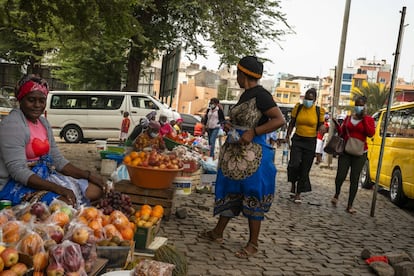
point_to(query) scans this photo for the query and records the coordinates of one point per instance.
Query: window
(86, 102)
(345, 88)
(400, 123)
(347, 77)
(143, 102)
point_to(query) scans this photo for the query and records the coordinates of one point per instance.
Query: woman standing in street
(308, 120)
(246, 177)
(360, 126)
(214, 116)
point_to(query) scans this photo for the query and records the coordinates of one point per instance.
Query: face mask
(212, 106)
(307, 103)
(358, 109)
(153, 134)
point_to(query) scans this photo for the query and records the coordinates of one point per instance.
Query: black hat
(251, 66)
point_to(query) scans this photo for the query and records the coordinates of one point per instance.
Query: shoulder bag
(335, 145)
(354, 146)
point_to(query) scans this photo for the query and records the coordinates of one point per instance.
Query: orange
(136, 162)
(127, 233)
(119, 219)
(105, 220)
(96, 226)
(11, 232)
(127, 159)
(138, 214)
(146, 207)
(156, 213)
(90, 213)
(60, 218)
(159, 207)
(83, 220)
(133, 155)
(146, 212)
(142, 154)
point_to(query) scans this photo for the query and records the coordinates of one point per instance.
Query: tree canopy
(100, 44)
(376, 94)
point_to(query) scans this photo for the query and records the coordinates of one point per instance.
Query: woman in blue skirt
(246, 177)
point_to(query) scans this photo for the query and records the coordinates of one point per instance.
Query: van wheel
(72, 134)
(364, 178)
(396, 192)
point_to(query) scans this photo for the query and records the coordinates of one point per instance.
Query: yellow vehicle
(397, 169)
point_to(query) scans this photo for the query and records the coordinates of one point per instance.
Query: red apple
(80, 235)
(38, 209)
(57, 234)
(10, 256)
(19, 268)
(55, 269)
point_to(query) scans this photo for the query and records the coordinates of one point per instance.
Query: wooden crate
(140, 196)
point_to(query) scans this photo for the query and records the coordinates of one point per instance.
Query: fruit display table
(140, 196)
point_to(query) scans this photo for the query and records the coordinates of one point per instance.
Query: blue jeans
(212, 136)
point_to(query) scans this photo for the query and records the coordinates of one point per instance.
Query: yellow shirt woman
(306, 120)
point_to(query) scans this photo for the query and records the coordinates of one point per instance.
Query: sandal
(210, 236)
(297, 200)
(334, 201)
(351, 210)
(245, 254)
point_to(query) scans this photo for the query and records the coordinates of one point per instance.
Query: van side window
(143, 102)
(401, 123)
(110, 102)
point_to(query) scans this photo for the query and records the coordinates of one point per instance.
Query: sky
(372, 33)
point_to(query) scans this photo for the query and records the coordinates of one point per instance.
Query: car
(189, 122)
(396, 174)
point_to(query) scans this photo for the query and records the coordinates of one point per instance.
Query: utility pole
(389, 104)
(338, 72)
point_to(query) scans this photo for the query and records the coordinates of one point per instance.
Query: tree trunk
(134, 67)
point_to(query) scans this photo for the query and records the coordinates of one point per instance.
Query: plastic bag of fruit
(150, 267)
(65, 259)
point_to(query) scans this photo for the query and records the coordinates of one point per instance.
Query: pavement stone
(312, 238)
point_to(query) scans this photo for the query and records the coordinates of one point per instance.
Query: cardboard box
(182, 185)
(208, 181)
(145, 236)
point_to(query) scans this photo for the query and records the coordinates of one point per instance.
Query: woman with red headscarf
(31, 165)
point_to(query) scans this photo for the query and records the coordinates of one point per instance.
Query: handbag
(335, 145)
(354, 146)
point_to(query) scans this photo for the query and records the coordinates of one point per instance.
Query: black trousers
(356, 163)
(302, 153)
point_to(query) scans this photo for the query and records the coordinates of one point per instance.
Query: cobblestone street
(312, 238)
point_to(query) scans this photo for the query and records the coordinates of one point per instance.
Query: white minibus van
(78, 115)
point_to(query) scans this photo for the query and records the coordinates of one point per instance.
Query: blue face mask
(307, 103)
(358, 109)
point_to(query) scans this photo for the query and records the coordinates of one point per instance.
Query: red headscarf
(31, 86)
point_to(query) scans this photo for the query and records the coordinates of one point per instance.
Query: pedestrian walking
(308, 119)
(246, 177)
(212, 119)
(358, 126)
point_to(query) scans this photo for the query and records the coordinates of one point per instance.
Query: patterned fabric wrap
(246, 176)
(17, 192)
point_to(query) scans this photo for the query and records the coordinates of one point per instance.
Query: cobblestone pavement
(312, 238)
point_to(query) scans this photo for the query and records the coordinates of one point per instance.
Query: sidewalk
(312, 238)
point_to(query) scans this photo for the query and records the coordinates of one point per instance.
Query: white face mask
(153, 134)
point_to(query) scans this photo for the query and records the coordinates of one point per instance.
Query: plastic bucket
(100, 145)
(182, 185)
